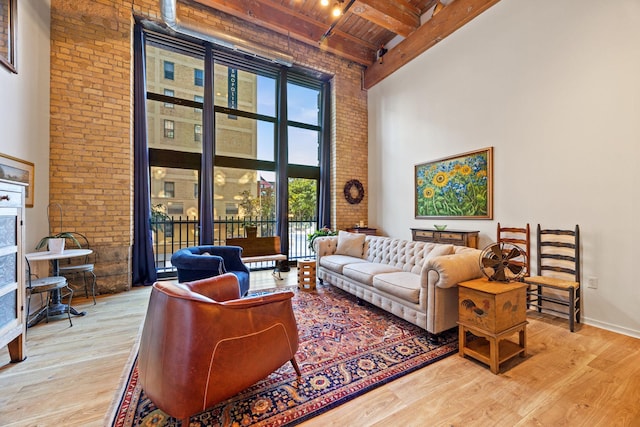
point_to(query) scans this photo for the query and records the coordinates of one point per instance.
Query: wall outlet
(592, 283)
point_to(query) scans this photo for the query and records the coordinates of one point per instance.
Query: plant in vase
(56, 242)
(324, 231)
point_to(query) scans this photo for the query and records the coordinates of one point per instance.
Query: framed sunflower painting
(458, 187)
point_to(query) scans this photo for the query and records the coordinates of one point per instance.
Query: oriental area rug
(345, 350)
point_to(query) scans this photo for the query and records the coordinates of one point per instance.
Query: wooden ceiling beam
(452, 17)
(274, 16)
(399, 17)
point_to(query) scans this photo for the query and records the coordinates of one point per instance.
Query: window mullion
(208, 151)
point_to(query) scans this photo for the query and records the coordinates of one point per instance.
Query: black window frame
(284, 171)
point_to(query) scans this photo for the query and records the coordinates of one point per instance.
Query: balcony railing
(175, 233)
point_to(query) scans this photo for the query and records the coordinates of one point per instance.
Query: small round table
(57, 307)
(307, 274)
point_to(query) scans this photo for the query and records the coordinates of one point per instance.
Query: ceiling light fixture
(341, 11)
(324, 3)
(337, 8)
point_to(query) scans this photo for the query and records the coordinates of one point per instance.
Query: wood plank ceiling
(363, 29)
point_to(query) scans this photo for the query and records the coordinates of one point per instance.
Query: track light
(337, 8)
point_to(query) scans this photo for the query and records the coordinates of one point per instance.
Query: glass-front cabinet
(12, 290)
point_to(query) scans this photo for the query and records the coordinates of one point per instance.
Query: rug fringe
(112, 412)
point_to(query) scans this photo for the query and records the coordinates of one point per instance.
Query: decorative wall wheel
(353, 191)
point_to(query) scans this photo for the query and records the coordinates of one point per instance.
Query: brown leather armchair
(201, 344)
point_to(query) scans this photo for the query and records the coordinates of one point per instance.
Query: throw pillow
(351, 244)
(439, 250)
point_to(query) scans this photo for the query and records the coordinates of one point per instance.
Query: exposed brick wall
(91, 109)
(91, 120)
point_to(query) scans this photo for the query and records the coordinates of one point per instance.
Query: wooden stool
(307, 274)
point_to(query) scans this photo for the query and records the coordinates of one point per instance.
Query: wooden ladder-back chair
(558, 273)
(521, 237)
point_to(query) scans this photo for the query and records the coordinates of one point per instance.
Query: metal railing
(174, 233)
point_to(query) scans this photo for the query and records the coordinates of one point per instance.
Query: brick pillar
(91, 114)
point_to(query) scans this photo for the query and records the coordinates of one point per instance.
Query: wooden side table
(307, 274)
(493, 312)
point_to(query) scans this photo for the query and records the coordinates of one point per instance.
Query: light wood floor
(587, 378)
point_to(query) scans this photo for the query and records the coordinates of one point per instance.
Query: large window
(256, 137)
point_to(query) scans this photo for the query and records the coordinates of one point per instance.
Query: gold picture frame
(8, 22)
(456, 187)
(14, 169)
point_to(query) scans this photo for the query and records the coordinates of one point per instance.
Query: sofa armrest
(325, 245)
(448, 270)
(232, 256)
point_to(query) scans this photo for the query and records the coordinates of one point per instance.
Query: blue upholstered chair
(201, 262)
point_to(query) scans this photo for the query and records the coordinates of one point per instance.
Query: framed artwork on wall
(8, 22)
(14, 169)
(456, 187)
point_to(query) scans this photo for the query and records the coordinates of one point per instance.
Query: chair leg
(26, 328)
(185, 422)
(295, 366)
(572, 309)
(69, 306)
(46, 306)
(577, 305)
(93, 285)
(539, 302)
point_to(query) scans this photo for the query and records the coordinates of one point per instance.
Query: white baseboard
(610, 327)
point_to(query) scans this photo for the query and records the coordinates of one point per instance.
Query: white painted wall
(24, 108)
(555, 88)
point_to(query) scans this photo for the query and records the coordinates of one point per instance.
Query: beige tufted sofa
(416, 281)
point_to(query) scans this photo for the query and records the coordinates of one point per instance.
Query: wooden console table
(363, 230)
(493, 312)
(456, 237)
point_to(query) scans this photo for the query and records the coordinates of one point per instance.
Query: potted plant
(250, 207)
(324, 231)
(56, 242)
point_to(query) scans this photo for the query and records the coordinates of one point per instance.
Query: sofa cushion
(364, 272)
(438, 250)
(350, 244)
(401, 284)
(337, 262)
